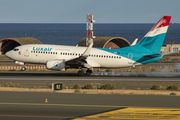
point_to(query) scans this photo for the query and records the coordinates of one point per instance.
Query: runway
(32, 105)
(67, 75)
(45, 79)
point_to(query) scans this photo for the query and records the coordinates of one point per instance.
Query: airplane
(59, 57)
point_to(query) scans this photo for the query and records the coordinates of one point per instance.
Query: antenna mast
(89, 29)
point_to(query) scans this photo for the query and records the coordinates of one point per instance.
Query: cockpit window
(16, 49)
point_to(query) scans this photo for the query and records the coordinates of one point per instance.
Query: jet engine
(55, 65)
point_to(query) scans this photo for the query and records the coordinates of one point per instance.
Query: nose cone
(9, 54)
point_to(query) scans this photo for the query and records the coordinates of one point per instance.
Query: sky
(74, 11)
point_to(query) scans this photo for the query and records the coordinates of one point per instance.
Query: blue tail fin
(154, 39)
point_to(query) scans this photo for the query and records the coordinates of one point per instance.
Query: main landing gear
(88, 72)
(81, 72)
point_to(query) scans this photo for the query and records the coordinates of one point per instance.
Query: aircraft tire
(80, 73)
(88, 72)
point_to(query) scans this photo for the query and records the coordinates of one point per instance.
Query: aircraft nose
(8, 54)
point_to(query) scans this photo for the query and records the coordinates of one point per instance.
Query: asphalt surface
(32, 105)
(62, 106)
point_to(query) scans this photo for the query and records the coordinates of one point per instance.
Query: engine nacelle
(55, 65)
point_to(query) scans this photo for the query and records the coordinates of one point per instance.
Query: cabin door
(26, 52)
(130, 57)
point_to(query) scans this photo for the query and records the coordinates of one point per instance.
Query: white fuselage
(36, 53)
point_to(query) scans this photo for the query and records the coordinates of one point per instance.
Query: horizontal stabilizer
(158, 55)
(167, 53)
(153, 55)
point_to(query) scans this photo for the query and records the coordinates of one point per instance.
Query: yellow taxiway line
(136, 114)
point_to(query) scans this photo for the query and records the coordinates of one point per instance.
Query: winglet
(88, 50)
(135, 41)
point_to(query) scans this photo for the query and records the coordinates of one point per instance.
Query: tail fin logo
(164, 21)
(160, 24)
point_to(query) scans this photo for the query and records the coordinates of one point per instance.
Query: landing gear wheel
(88, 72)
(80, 73)
(24, 68)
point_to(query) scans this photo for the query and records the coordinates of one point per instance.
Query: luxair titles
(42, 49)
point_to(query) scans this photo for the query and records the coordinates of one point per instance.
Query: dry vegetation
(97, 91)
(91, 89)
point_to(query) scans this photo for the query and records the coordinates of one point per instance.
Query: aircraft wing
(81, 59)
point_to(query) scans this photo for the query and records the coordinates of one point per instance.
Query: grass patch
(77, 91)
(172, 93)
(76, 86)
(89, 86)
(108, 86)
(155, 87)
(10, 84)
(173, 87)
